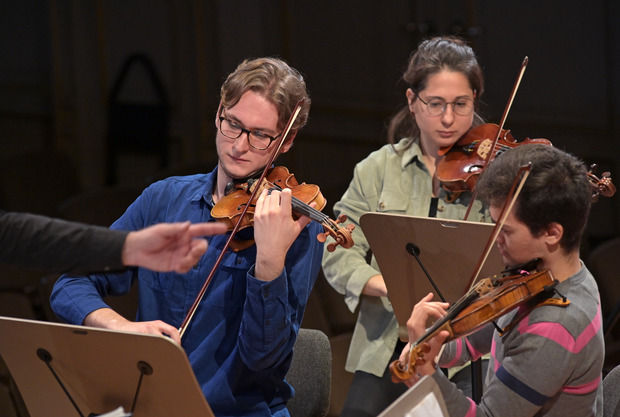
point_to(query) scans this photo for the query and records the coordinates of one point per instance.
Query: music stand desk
(448, 249)
(100, 369)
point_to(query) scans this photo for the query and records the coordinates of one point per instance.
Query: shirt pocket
(228, 288)
(391, 201)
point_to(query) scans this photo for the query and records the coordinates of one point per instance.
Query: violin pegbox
(341, 235)
(601, 186)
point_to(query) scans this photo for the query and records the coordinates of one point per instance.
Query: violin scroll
(342, 236)
(601, 186)
(402, 372)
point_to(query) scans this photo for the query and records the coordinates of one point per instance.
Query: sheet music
(424, 399)
(119, 412)
(429, 406)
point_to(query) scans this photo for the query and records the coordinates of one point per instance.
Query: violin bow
(511, 199)
(257, 187)
(511, 98)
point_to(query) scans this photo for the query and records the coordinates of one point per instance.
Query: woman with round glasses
(444, 85)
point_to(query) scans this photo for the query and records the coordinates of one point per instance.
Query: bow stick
(272, 158)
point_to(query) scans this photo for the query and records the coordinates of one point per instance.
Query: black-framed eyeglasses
(464, 106)
(256, 138)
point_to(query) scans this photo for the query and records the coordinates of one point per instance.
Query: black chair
(611, 393)
(310, 374)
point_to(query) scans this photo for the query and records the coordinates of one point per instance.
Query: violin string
(306, 209)
(314, 214)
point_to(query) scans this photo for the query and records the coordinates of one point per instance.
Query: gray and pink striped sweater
(549, 364)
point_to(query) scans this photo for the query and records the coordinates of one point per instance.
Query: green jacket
(389, 180)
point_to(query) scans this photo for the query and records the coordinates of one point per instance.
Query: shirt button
(382, 206)
(440, 208)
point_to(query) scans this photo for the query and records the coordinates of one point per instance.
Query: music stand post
(95, 371)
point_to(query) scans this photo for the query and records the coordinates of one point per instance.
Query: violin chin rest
(558, 302)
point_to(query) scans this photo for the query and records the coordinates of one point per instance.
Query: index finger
(207, 229)
(286, 197)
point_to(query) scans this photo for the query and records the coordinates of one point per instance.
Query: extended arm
(41, 242)
(168, 247)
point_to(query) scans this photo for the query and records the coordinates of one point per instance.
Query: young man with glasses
(240, 339)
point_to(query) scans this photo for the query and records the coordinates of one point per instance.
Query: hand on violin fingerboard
(275, 230)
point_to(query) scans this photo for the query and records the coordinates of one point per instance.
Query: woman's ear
(411, 96)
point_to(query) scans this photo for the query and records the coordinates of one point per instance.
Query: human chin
(235, 170)
(445, 141)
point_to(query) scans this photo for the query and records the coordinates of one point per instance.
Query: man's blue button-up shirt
(240, 339)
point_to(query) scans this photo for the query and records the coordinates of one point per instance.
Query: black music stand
(66, 370)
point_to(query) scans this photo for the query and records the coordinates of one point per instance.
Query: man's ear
(288, 144)
(217, 115)
(554, 233)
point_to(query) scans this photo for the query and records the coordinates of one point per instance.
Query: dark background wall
(65, 103)
(61, 59)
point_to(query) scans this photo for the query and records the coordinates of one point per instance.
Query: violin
(228, 210)
(459, 169)
(488, 300)
(454, 171)
(462, 164)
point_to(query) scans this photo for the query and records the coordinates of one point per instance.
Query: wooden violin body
(232, 205)
(460, 167)
(490, 299)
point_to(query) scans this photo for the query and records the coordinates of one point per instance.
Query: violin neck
(304, 209)
(439, 325)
